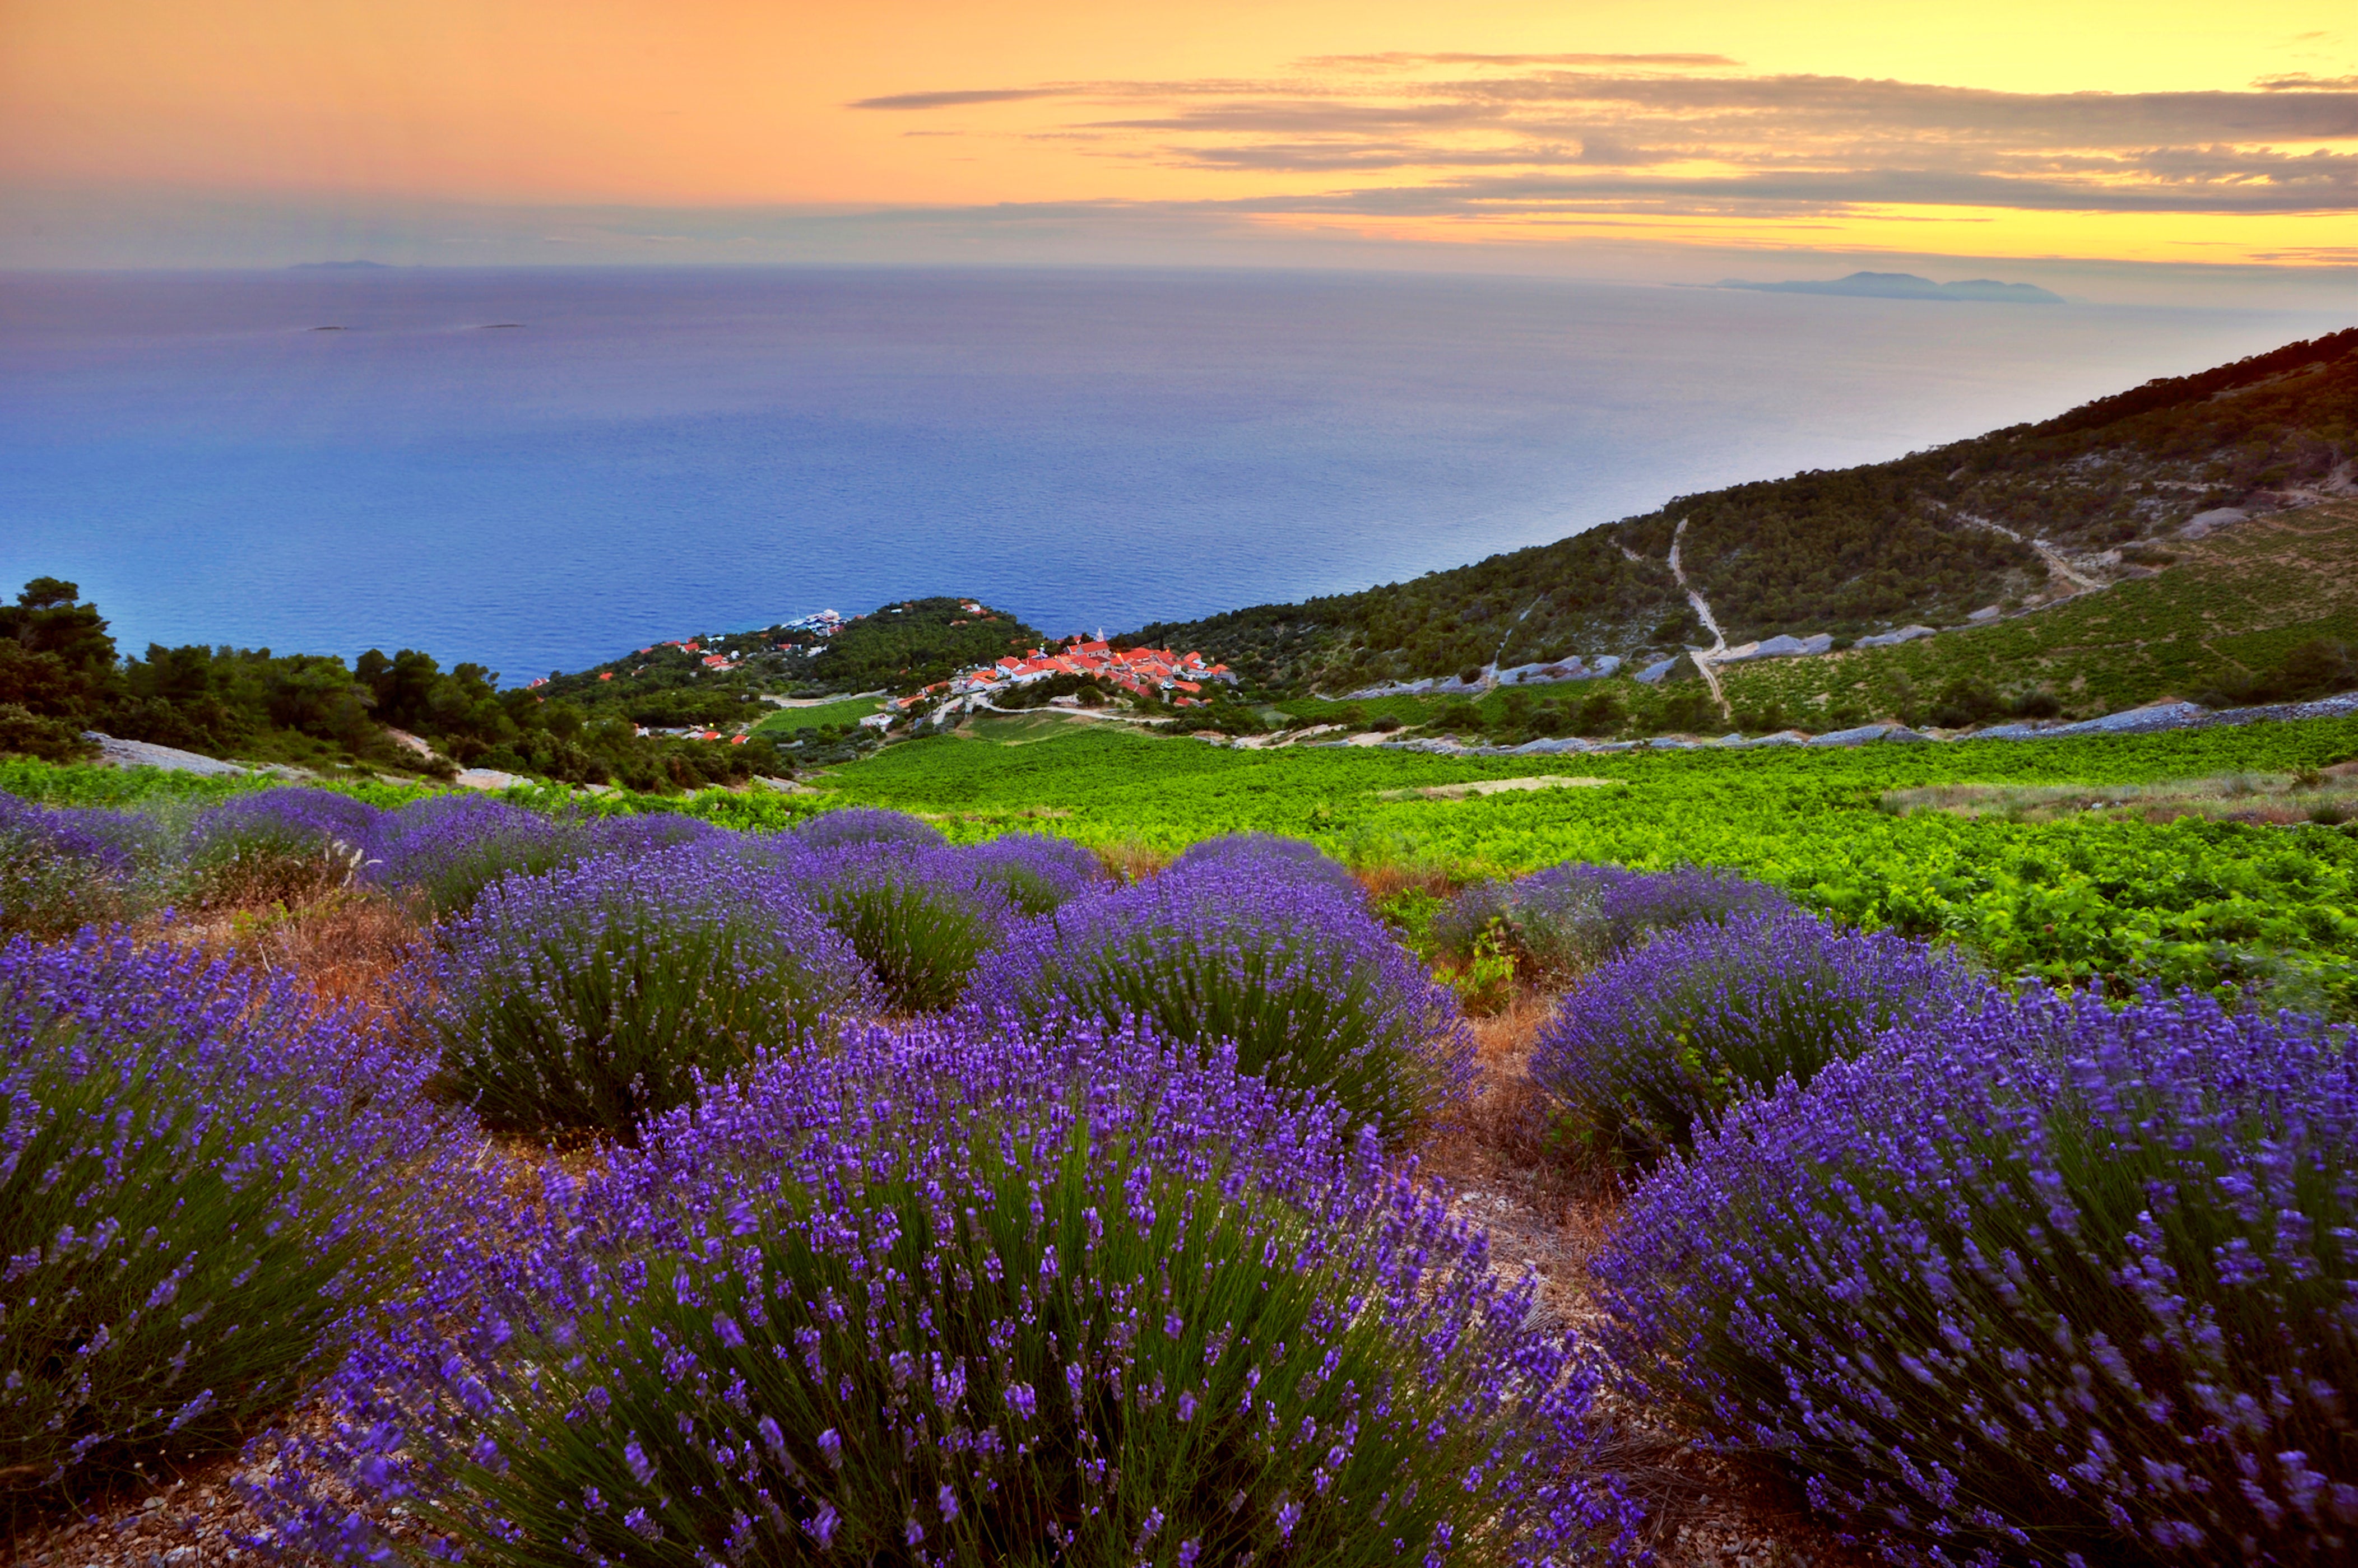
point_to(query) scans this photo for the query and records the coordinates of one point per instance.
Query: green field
(786, 720)
(2075, 899)
(2189, 902)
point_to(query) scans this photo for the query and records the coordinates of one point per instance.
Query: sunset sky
(1604, 137)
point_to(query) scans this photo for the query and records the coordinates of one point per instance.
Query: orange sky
(2151, 132)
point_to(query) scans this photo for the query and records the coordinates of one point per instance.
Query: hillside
(2017, 518)
(2220, 623)
(712, 678)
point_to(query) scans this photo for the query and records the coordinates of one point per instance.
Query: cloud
(1694, 134)
(953, 100)
(1807, 191)
(1410, 62)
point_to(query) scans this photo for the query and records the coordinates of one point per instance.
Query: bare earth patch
(1472, 787)
(1549, 1218)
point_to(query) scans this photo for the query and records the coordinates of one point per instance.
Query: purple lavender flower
(1633, 904)
(62, 867)
(1568, 918)
(645, 832)
(200, 1176)
(308, 818)
(1652, 1044)
(1037, 872)
(1273, 856)
(910, 1185)
(2029, 1280)
(866, 825)
(1246, 947)
(597, 993)
(449, 848)
(277, 845)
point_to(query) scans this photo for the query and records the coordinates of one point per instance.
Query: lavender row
(2031, 1280)
(592, 995)
(204, 1183)
(959, 1294)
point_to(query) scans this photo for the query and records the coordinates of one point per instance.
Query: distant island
(1907, 286)
(341, 266)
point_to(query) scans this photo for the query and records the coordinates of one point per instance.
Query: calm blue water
(647, 454)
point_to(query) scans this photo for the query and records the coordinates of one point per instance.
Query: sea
(538, 469)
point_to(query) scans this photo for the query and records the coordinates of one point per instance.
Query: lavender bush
(594, 995)
(919, 918)
(2030, 1281)
(645, 832)
(956, 1297)
(449, 848)
(1482, 908)
(1038, 873)
(1308, 987)
(1650, 1045)
(197, 1174)
(278, 846)
(1291, 860)
(1565, 918)
(62, 867)
(866, 825)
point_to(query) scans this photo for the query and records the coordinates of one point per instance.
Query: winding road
(1705, 659)
(2056, 565)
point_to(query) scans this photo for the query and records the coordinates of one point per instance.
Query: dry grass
(1132, 861)
(1542, 1213)
(1389, 879)
(351, 946)
(259, 878)
(345, 947)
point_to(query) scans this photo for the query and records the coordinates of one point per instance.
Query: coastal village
(1142, 672)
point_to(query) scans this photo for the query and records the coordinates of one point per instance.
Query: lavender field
(462, 1182)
